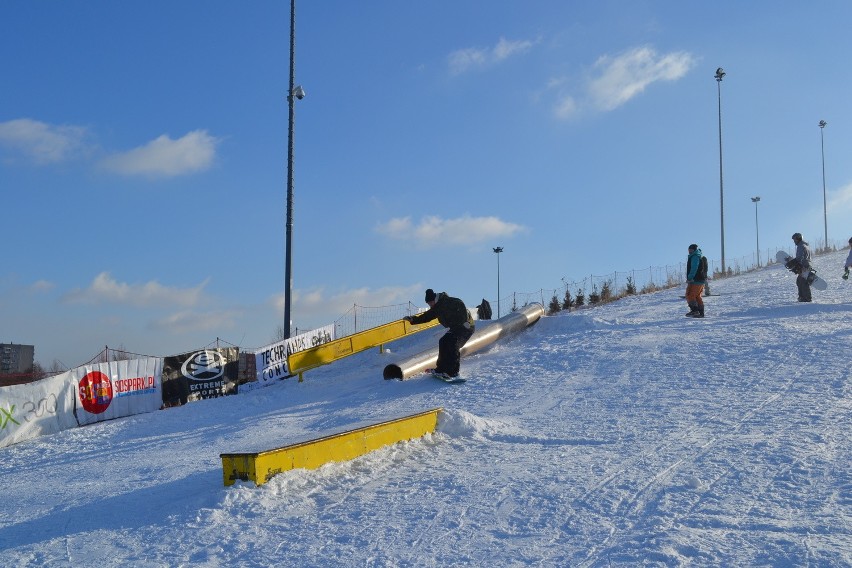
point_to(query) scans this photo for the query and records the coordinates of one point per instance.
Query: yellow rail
(261, 466)
(326, 353)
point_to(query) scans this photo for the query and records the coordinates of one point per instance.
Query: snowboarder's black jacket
(450, 312)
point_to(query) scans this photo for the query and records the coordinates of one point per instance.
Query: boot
(693, 309)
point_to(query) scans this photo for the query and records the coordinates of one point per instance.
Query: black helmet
(797, 236)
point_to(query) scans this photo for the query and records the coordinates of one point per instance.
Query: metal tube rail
(503, 327)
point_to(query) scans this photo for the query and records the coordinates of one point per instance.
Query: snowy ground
(622, 435)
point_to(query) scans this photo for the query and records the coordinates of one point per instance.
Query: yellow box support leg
(261, 466)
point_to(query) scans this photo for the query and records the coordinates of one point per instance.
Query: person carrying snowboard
(803, 270)
(454, 315)
(696, 278)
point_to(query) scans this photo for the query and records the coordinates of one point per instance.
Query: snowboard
(446, 379)
(813, 278)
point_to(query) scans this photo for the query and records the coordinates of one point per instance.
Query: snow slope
(621, 435)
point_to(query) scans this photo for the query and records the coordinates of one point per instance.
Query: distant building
(16, 363)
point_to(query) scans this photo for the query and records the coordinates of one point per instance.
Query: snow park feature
(259, 467)
(619, 435)
(301, 361)
(485, 334)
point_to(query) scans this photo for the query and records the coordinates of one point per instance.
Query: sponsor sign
(206, 373)
(118, 388)
(271, 361)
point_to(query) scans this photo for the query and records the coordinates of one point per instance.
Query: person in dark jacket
(454, 315)
(696, 278)
(803, 257)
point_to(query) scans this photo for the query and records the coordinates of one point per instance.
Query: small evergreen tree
(554, 306)
(568, 301)
(606, 292)
(594, 297)
(580, 299)
(631, 286)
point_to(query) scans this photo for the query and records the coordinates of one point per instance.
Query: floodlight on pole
(497, 251)
(755, 200)
(294, 92)
(822, 124)
(720, 73)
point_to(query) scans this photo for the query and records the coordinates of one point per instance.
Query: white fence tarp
(35, 409)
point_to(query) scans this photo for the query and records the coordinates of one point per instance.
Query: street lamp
(719, 74)
(822, 124)
(295, 92)
(756, 229)
(497, 251)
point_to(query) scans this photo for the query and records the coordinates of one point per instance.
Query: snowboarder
(803, 258)
(696, 278)
(483, 310)
(454, 315)
(848, 262)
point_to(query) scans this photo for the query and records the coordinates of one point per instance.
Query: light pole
(719, 74)
(498, 250)
(822, 124)
(755, 200)
(293, 93)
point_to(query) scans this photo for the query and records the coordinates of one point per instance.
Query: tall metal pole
(755, 200)
(719, 74)
(498, 250)
(288, 262)
(822, 124)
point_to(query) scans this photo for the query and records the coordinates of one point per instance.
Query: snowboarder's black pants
(804, 288)
(449, 358)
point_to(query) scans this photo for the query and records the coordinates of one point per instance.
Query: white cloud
(840, 201)
(505, 48)
(618, 79)
(317, 307)
(623, 77)
(106, 289)
(187, 321)
(42, 286)
(309, 301)
(165, 157)
(464, 60)
(566, 107)
(434, 231)
(43, 143)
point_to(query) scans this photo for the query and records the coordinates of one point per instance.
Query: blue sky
(143, 154)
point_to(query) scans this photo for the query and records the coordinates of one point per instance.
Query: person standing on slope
(848, 262)
(454, 315)
(803, 270)
(696, 278)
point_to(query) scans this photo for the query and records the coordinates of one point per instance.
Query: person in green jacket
(454, 315)
(696, 278)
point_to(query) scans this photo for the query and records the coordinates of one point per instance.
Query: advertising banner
(310, 339)
(271, 360)
(119, 388)
(35, 409)
(271, 363)
(206, 373)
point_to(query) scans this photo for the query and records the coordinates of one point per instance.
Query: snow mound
(461, 424)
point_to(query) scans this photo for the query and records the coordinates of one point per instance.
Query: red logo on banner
(95, 392)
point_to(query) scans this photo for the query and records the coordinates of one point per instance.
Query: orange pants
(693, 294)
